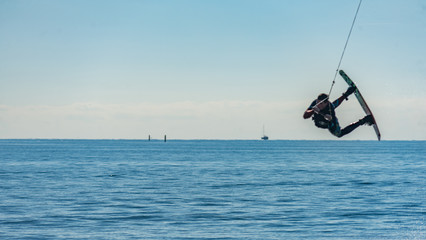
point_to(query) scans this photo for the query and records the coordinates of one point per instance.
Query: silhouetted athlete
(322, 112)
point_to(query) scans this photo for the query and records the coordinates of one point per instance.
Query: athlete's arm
(308, 113)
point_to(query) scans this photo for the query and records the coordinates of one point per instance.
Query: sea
(212, 189)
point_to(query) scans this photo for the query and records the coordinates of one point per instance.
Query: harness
(320, 120)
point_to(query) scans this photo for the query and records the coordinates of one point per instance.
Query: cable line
(344, 49)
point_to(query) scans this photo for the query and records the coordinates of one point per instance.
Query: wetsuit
(332, 125)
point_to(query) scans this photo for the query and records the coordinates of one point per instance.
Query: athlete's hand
(316, 109)
(328, 117)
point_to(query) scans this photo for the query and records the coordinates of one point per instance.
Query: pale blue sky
(207, 69)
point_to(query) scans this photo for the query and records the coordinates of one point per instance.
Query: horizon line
(206, 139)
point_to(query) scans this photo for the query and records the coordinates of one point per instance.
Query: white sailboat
(264, 136)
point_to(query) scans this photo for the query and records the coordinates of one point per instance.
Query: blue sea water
(129, 189)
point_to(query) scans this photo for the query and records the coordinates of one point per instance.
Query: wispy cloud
(399, 119)
(215, 119)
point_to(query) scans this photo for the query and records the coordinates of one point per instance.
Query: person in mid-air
(324, 116)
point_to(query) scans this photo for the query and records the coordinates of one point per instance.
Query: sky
(223, 69)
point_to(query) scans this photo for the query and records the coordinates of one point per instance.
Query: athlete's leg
(334, 128)
(350, 128)
(367, 119)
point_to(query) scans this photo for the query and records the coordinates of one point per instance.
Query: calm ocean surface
(123, 189)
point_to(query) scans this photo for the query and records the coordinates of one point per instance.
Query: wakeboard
(361, 102)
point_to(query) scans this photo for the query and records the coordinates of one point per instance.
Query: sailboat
(264, 136)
